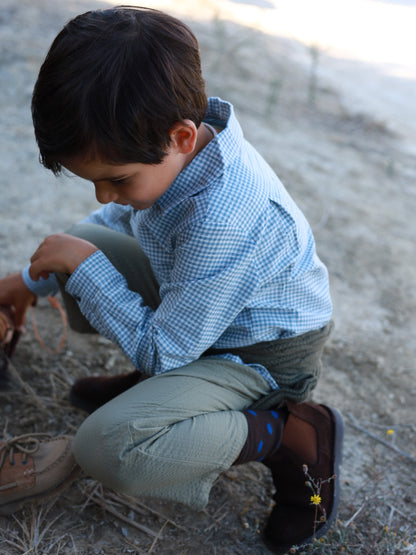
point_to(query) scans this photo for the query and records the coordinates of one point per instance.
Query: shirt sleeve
(42, 287)
(212, 277)
(114, 216)
(111, 215)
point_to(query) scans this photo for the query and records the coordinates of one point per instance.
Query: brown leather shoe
(94, 391)
(311, 452)
(34, 468)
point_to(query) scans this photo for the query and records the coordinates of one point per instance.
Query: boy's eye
(120, 181)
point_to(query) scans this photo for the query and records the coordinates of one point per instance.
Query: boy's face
(136, 184)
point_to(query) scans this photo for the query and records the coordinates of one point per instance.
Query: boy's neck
(205, 135)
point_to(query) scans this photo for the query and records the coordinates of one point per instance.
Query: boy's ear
(183, 136)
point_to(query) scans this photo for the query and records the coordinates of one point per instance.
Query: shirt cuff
(43, 287)
(93, 276)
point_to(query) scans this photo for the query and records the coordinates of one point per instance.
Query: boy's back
(233, 255)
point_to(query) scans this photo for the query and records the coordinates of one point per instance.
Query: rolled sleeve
(43, 287)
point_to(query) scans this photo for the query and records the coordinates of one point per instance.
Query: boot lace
(28, 444)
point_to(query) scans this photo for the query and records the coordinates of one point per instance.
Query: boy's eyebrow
(112, 178)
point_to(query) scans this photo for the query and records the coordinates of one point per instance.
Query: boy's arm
(210, 283)
(114, 216)
(59, 253)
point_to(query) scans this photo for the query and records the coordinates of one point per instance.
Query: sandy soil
(352, 172)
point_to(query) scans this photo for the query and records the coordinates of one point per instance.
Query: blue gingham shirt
(234, 257)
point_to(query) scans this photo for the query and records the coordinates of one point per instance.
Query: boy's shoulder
(228, 183)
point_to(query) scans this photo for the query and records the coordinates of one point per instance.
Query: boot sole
(338, 459)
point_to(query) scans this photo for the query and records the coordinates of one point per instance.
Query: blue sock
(265, 430)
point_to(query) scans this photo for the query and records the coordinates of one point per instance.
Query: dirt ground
(353, 174)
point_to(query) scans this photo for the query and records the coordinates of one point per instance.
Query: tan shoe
(34, 467)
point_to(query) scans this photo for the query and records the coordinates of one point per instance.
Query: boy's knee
(88, 232)
(107, 452)
(97, 448)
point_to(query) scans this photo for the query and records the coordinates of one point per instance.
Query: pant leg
(170, 436)
(126, 256)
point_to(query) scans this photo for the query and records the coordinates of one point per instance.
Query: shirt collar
(208, 164)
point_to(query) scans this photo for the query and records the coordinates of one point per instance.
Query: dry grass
(375, 518)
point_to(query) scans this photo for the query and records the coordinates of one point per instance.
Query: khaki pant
(171, 435)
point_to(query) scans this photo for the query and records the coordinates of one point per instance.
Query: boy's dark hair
(113, 84)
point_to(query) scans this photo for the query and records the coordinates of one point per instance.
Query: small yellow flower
(316, 499)
(390, 432)
(386, 529)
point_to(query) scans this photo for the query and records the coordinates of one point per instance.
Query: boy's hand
(59, 253)
(14, 293)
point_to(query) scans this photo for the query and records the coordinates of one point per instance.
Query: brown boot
(34, 468)
(94, 391)
(305, 472)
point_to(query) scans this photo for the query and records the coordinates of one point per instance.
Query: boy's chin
(141, 206)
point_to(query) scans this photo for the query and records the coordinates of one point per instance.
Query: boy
(225, 305)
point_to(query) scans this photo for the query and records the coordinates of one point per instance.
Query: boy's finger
(20, 311)
(36, 272)
(20, 317)
(33, 272)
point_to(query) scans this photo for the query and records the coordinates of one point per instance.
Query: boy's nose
(105, 193)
